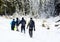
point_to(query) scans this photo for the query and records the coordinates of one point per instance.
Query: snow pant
(23, 28)
(30, 32)
(17, 28)
(12, 27)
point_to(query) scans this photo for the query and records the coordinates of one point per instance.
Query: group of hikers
(30, 25)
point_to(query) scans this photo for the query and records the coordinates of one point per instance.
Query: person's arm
(20, 22)
(25, 22)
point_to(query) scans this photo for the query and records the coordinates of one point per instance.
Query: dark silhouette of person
(13, 24)
(23, 23)
(17, 23)
(31, 26)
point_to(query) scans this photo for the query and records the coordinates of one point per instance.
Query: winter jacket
(22, 22)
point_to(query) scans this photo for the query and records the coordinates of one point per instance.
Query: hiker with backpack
(17, 23)
(31, 26)
(23, 23)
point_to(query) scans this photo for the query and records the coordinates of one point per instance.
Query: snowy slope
(40, 35)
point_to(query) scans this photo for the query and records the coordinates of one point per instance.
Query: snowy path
(40, 35)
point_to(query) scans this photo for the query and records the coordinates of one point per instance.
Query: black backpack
(31, 23)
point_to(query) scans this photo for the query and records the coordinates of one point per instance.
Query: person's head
(13, 19)
(22, 18)
(30, 18)
(17, 18)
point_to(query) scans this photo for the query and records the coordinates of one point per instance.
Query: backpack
(31, 23)
(23, 22)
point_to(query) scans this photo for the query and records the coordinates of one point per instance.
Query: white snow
(40, 35)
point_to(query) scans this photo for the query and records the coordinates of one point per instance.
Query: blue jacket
(13, 23)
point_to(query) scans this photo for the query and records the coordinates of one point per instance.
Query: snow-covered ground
(42, 34)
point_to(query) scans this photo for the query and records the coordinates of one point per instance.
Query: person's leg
(17, 28)
(31, 32)
(12, 28)
(21, 29)
(24, 29)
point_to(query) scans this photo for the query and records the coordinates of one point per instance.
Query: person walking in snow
(13, 24)
(31, 26)
(17, 23)
(23, 23)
